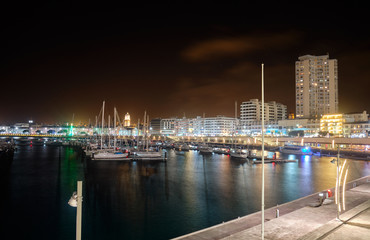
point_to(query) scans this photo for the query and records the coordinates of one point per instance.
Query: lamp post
(263, 160)
(76, 201)
(337, 183)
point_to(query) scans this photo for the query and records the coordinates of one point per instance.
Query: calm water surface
(133, 200)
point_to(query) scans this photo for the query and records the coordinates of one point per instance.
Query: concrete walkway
(300, 220)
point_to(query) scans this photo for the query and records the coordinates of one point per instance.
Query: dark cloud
(54, 65)
(221, 48)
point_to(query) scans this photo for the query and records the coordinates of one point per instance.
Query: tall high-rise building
(316, 86)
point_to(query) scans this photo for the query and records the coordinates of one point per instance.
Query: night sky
(172, 59)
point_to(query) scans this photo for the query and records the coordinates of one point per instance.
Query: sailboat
(145, 154)
(181, 146)
(109, 154)
(237, 153)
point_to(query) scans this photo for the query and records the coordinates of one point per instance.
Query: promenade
(303, 218)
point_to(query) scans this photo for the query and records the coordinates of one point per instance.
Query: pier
(304, 218)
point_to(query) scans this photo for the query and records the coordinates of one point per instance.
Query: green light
(70, 130)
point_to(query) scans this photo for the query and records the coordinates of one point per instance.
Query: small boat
(239, 154)
(147, 155)
(221, 150)
(205, 150)
(296, 149)
(182, 147)
(110, 156)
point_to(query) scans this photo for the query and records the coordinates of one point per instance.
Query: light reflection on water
(135, 200)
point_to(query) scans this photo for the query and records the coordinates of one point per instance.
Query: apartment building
(316, 80)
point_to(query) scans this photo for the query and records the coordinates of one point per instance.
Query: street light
(76, 201)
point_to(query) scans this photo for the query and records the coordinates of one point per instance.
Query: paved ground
(300, 220)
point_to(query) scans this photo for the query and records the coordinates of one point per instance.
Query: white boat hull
(110, 156)
(297, 152)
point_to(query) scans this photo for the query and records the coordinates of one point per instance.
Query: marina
(149, 199)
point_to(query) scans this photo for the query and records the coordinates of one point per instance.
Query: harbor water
(147, 200)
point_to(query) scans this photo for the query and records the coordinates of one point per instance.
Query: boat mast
(115, 128)
(144, 131)
(138, 133)
(102, 126)
(109, 132)
(236, 116)
(96, 128)
(147, 134)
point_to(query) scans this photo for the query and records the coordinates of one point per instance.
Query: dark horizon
(57, 63)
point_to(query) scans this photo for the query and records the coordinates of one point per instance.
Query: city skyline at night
(56, 63)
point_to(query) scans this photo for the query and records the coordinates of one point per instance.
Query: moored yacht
(205, 149)
(110, 156)
(296, 149)
(239, 154)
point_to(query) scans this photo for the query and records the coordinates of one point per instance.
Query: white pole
(263, 161)
(147, 133)
(109, 132)
(102, 127)
(144, 131)
(115, 128)
(338, 186)
(79, 210)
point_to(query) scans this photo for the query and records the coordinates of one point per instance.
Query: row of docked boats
(45, 142)
(238, 153)
(142, 152)
(123, 153)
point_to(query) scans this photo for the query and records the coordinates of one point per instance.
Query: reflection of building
(316, 86)
(127, 121)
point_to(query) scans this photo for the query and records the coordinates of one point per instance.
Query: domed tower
(127, 121)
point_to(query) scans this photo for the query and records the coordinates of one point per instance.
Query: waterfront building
(254, 128)
(251, 111)
(155, 126)
(316, 80)
(182, 126)
(251, 117)
(309, 127)
(198, 126)
(347, 125)
(332, 123)
(167, 126)
(218, 126)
